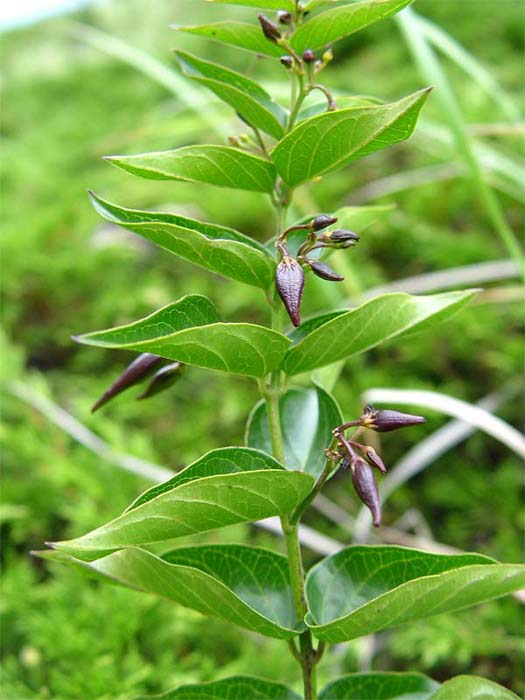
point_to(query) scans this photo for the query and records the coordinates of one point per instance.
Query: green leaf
(240, 34)
(225, 460)
(234, 688)
(249, 99)
(308, 417)
(263, 4)
(332, 140)
(216, 248)
(380, 686)
(214, 165)
(178, 333)
(198, 505)
(364, 589)
(370, 324)
(339, 22)
(472, 688)
(320, 107)
(247, 586)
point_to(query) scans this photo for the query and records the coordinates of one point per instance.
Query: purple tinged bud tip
(162, 379)
(324, 271)
(374, 459)
(270, 30)
(284, 17)
(286, 61)
(136, 372)
(366, 488)
(289, 280)
(341, 235)
(322, 221)
(308, 56)
(386, 420)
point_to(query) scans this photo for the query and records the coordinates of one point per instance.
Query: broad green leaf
(308, 417)
(472, 688)
(380, 686)
(320, 107)
(246, 586)
(214, 165)
(339, 22)
(263, 4)
(250, 100)
(370, 324)
(364, 589)
(216, 248)
(332, 140)
(234, 688)
(225, 460)
(195, 506)
(245, 36)
(240, 348)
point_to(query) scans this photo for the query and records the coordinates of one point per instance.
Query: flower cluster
(290, 277)
(361, 459)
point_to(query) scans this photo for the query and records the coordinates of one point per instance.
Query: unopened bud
(373, 458)
(324, 271)
(385, 420)
(322, 221)
(308, 56)
(234, 141)
(289, 280)
(284, 17)
(136, 372)
(287, 61)
(328, 56)
(366, 488)
(162, 379)
(342, 235)
(270, 30)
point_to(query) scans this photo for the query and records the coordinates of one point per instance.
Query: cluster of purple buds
(361, 459)
(290, 278)
(161, 375)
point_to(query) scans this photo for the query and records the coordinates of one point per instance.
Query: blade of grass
(470, 65)
(183, 89)
(433, 73)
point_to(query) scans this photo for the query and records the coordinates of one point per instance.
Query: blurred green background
(71, 96)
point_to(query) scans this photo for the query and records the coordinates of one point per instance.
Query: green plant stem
(298, 512)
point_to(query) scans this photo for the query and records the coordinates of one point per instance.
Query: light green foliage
(62, 489)
(374, 322)
(339, 22)
(307, 418)
(380, 686)
(253, 103)
(332, 140)
(215, 248)
(372, 588)
(214, 165)
(247, 586)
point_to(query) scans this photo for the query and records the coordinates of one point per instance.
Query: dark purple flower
(289, 280)
(136, 372)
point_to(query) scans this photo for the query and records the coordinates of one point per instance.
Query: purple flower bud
(138, 370)
(386, 420)
(308, 56)
(289, 280)
(341, 235)
(287, 61)
(373, 458)
(162, 379)
(270, 29)
(322, 221)
(366, 488)
(324, 271)
(284, 17)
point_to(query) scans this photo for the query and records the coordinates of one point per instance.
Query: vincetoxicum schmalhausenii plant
(296, 437)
